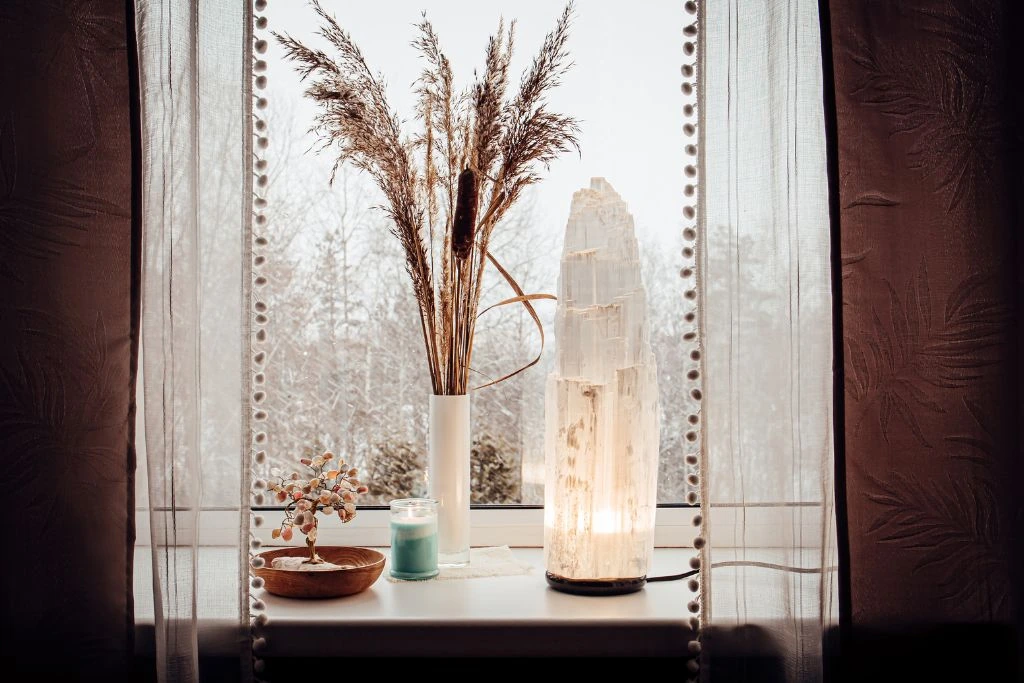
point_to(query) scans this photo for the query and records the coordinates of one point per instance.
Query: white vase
(448, 476)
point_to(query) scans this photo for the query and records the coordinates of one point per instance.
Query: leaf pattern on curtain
(975, 446)
(47, 414)
(41, 213)
(891, 365)
(950, 527)
(968, 28)
(849, 263)
(871, 199)
(943, 109)
(81, 35)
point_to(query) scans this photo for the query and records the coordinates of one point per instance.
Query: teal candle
(413, 538)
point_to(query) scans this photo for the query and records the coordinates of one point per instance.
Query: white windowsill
(503, 616)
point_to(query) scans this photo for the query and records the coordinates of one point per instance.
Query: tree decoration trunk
(314, 556)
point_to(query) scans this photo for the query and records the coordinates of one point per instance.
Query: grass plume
(447, 186)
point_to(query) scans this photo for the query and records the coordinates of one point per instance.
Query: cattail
(464, 226)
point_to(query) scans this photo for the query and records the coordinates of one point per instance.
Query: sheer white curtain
(770, 578)
(194, 77)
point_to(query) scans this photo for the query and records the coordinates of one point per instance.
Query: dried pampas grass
(474, 155)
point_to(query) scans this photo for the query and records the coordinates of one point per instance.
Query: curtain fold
(769, 593)
(194, 75)
(928, 125)
(171, 325)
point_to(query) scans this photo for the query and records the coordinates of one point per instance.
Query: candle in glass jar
(413, 538)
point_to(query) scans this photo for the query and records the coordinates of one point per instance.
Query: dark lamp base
(595, 586)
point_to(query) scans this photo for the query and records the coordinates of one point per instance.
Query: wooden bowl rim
(296, 550)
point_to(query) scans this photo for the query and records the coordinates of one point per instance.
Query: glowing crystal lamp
(602, 407)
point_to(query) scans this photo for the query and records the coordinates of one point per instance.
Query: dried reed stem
(471, 146)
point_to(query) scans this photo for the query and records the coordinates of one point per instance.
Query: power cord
(673, 577)
(745, 563)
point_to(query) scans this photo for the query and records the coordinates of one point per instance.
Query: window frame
(514, 526)
(780, 525)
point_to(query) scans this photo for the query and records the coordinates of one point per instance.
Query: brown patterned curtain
(68, 270)
(927, 186)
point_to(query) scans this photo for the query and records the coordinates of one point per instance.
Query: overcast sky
(624, 86)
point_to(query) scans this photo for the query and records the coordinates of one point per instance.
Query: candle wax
(413, 548)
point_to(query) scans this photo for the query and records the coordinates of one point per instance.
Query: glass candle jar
(413, 538)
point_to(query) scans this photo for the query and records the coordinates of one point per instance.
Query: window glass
(345, 367)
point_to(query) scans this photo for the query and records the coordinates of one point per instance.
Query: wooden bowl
(366, 567)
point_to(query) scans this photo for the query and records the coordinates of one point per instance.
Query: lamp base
(595, 586)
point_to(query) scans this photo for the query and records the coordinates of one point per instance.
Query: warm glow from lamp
(605, 522)
(602, 427)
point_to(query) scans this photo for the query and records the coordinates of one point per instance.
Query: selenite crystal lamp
(602, 426)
